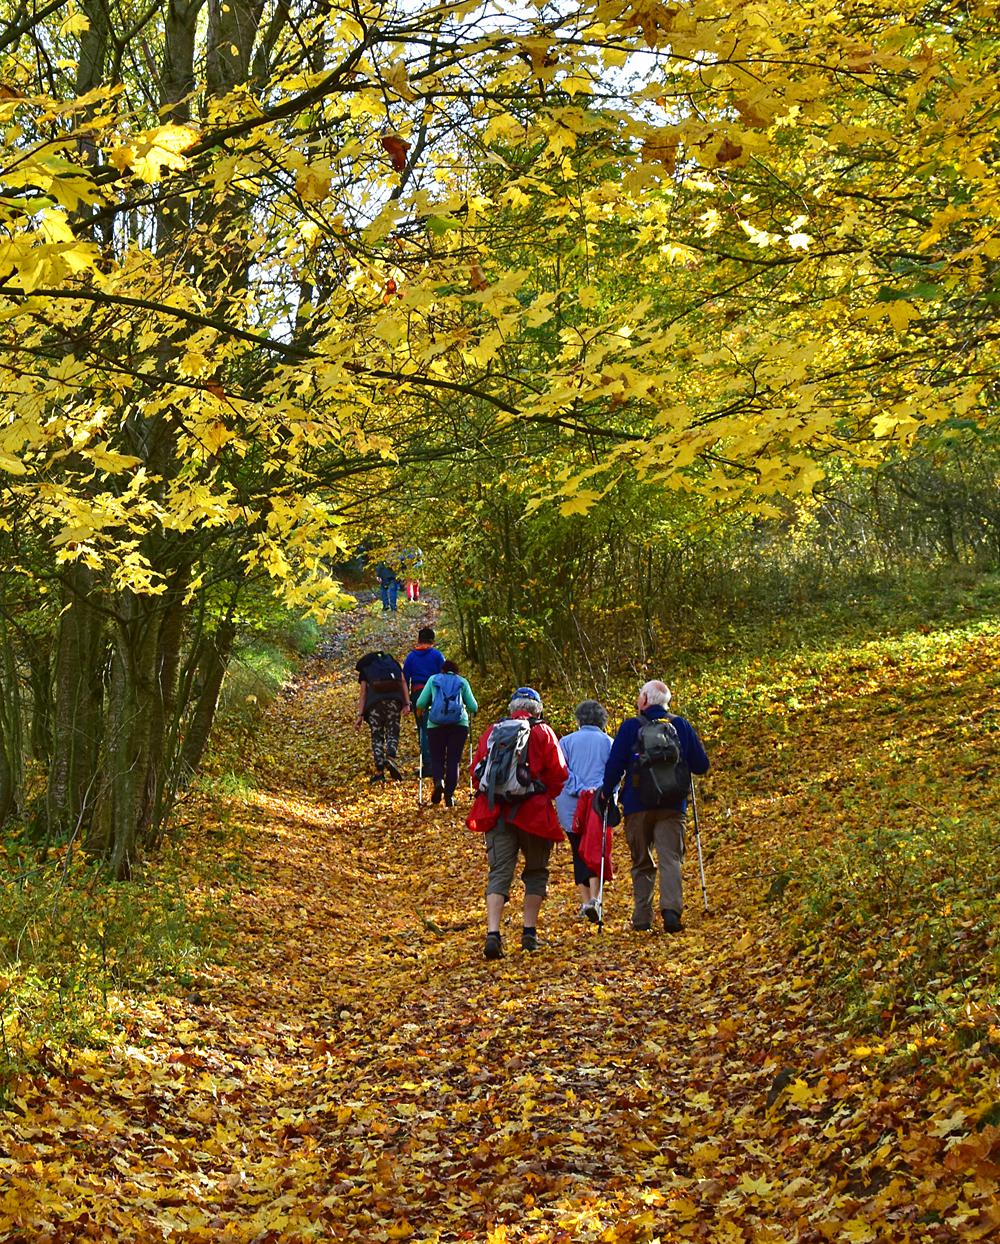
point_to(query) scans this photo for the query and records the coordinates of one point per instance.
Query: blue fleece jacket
(624, 758)
(420, 664)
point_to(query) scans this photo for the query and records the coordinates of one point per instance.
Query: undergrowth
(74, 946)
(900, 925)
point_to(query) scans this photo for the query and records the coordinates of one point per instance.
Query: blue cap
(526, 693)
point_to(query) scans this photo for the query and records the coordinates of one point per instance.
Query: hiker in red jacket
(520, 769)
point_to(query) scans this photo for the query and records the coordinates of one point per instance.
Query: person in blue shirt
(586, 751)
(655, 835)
(388, 585)
(421, 663)
(447, 739)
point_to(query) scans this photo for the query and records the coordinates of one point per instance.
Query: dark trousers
(447, 744)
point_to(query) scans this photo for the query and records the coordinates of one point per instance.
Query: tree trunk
(76, 719)
(214, 661)
(123, 823)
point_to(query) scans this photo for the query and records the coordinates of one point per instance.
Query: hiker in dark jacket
(382, 697)
(655, 835)
(528, 825)
(388, 586)
(447, 738)
(421, 663)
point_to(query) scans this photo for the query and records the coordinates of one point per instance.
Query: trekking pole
(472, 784)
(600, 887)
(420, 763)
(697, 839)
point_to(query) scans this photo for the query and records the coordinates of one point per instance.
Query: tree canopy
(264, 264)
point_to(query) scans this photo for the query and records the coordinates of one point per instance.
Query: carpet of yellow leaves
(356, 1071)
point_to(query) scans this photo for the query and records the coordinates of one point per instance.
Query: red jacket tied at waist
(590, 827)
(535, 815)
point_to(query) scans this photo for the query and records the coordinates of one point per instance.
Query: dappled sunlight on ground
(354, 1069)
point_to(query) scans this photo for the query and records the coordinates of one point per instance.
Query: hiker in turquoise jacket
(446, 738)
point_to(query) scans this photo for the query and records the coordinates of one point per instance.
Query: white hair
(525, 704)
(656, 692)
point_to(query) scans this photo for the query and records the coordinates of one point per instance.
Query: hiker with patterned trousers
(446, 702)
(519, 769)
(586, 751)
(382, 697)
(654, 800)
(421, 662)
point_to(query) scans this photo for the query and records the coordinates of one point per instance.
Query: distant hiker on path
(656, 752)
(586, 751)
(519, 768)
(421, 662)
(382, 697)
(389, 585)
(413, 560)
(446, 702)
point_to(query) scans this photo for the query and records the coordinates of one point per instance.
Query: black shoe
(671, 921)
(393, 768)
(449, 801)
(642, 928)
(436, 794)
(493, 949)
(529, 939)
(377, 777)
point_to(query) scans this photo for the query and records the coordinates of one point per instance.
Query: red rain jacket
(535, 815)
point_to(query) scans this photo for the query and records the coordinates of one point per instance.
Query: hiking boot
(377, 777)
(493, 948)
(436, 794)
(591, 911)
(642, 928)
(671, 921)
(449, 801)
(393, 768)
(529, 939)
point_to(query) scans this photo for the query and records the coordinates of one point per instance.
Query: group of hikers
(402, 571)
(532, 788)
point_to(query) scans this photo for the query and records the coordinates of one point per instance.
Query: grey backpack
(503, 772)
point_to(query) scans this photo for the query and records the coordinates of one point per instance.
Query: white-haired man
(654, 820)
(518, 780)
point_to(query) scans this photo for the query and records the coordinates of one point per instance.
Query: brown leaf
(397, 148)
(728, 151)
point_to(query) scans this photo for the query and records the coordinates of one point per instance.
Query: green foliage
(902, 921)
(74, 944)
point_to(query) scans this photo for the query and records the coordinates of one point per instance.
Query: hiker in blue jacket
(446, 702)
(388, 586)
(421, 662)
(654, 828)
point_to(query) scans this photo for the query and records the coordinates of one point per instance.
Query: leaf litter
(354, 1070)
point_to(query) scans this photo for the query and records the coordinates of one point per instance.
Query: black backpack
(661, 775)
(383, 673)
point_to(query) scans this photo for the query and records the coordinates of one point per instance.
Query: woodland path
(356, 1071)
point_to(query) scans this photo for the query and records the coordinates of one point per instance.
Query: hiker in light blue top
(586, 751)
(447, 701)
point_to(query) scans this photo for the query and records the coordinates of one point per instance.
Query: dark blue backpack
(446, 706)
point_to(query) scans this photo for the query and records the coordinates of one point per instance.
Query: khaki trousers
(655, 837)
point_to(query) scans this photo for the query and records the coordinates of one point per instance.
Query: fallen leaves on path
(356, 1071)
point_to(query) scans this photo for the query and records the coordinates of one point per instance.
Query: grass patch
(900, 924)
(75, 946)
